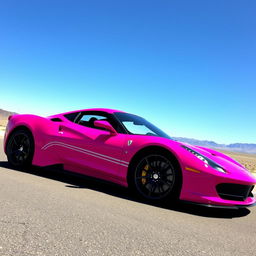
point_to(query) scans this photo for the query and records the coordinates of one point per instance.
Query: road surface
(45, 212)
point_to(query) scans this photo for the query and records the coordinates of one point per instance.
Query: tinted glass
(72, 116)
(88, 120)
(94, 117)
(140, 126)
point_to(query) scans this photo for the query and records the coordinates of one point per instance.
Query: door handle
(61, 129)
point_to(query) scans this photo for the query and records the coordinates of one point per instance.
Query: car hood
(226, 162)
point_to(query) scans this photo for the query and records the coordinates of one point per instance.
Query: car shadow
(76, 181)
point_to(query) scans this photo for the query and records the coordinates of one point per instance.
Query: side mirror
(105, 124)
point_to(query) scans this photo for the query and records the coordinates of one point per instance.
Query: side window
(88, 120)
(72, 116)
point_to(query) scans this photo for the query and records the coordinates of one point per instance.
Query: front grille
(235, 192)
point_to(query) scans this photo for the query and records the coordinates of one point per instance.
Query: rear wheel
(156, 177)
(20, 148)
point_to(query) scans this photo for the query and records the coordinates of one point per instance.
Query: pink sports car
(128, 150)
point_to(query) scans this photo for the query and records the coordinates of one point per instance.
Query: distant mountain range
(237, 147)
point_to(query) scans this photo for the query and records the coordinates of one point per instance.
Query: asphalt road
(45, 212)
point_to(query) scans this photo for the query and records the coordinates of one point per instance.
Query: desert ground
(3, 123)
(247, 160)
(2, 129)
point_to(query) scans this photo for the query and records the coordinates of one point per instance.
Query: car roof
(106, 110)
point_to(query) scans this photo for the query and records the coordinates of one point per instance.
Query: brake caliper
(144, 174)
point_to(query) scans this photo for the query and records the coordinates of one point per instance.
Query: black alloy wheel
(156, 177)
(20, 149)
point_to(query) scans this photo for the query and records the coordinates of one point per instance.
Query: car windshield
(139, 126)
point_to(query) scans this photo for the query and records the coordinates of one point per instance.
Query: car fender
(41, 129)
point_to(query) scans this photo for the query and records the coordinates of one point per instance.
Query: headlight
(205, 159)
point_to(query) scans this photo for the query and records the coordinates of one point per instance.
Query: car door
(91, 150)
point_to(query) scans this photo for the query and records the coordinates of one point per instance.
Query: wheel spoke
(148, 163)
(166, 183)
(24, 154)
(165, 174)
(19, 138)
(17, 157)
(161, 190)
(15, 152)
(143, 177)
(15, 142)
(152, 189)
(23, 139)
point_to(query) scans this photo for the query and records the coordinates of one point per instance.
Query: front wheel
(156, 178)
(20, 148)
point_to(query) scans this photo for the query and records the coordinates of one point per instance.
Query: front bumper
(231, 207)
(203, 188)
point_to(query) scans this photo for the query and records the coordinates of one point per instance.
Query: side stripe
(75, 147)
(85, 151)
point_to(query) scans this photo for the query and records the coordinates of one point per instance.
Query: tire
(20, 149)
(156, 177)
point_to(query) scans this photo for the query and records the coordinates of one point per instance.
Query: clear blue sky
(187, 66)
